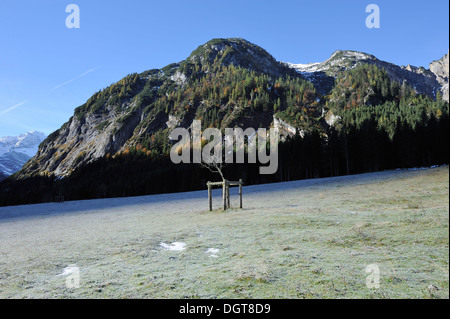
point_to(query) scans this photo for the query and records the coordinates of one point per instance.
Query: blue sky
(47, 70)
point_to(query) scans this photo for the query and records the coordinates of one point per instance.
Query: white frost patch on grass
(68, 270)
(213, 252)
(177, 246)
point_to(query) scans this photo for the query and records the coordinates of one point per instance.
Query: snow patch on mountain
(338, 58)
(309, 67)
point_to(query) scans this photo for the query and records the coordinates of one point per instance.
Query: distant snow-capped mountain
(15, 151)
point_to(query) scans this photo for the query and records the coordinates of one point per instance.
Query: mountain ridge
(425, 81)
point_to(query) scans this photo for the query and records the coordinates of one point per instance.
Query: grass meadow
(305, 239)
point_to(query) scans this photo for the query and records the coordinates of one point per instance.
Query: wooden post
(224, 194)
(240, 193)
(210, 197)
(228, 195)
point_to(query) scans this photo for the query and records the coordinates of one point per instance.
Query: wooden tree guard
(225, 193)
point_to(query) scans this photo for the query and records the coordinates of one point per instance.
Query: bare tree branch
(214, 168)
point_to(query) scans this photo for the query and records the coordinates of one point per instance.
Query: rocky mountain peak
(338, 61)
(238, 52)
(350, 54)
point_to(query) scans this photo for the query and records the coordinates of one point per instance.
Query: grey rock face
(440, 69)
(81, 141)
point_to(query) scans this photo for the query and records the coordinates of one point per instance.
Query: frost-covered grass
(305, 239)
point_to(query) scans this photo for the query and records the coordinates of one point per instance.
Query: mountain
(425, 81)
(225, 83)
(143, 105)
(16, 151)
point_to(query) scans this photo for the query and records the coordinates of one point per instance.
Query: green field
(305, 239)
